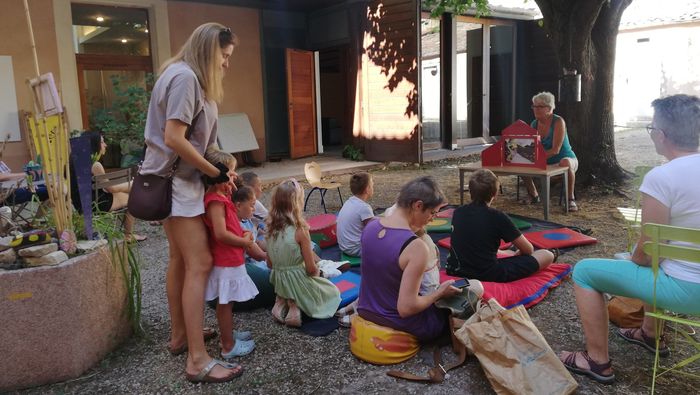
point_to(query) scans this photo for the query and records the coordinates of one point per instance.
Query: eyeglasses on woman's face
(536, 106)
(650, 128)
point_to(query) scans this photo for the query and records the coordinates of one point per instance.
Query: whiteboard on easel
(9, 116)
(235, 133)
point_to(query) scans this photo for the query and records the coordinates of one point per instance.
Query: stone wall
(58, 321)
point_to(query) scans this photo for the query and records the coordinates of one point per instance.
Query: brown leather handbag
(151, 195)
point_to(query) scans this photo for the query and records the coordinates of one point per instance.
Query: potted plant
(124, 121)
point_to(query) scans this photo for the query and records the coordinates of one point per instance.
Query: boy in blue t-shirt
(355, 214)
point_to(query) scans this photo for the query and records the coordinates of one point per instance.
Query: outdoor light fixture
(100, 19)
(124, 40)
(145, 30)
(570, 86)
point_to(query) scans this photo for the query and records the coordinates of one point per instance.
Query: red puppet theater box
(519, 145)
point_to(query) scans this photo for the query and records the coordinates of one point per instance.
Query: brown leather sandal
(648, 342)
(595, 369)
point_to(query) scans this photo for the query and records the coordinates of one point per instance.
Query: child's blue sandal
(240, 348)
(242, 335)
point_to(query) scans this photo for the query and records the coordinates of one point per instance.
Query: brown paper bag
(513, 353)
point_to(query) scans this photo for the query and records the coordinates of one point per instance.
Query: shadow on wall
(390, 50)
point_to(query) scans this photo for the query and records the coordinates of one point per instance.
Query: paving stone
(90, 245)
(8, 256)
(37, 251)
(53, 258)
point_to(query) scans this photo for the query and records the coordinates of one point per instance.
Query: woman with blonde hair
(185, 96)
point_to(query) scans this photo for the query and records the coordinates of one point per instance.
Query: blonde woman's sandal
(204, 377)
(207, 333)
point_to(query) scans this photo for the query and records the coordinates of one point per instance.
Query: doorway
(430, 77)
(485, 78)
(112, 48)
(333, 66)
(481, 81)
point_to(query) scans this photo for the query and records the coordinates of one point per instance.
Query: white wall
(651, 63)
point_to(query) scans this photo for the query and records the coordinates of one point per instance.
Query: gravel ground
(287, 361)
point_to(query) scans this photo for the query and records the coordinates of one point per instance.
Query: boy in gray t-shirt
(355, 214)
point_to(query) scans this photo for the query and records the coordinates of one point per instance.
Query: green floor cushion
(519, 223)
(354, 260)
(439, 225)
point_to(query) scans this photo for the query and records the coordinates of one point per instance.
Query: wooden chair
(313, 176)
(660, 247)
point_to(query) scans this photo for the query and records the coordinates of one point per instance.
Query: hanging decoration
(570, 86)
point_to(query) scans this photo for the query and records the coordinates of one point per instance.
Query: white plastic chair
(312, 171)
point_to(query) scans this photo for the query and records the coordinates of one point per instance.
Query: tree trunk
(584, 34)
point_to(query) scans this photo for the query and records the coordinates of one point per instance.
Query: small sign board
(235, 133)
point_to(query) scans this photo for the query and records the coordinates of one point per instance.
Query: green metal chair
(633, 215)
(659, 247)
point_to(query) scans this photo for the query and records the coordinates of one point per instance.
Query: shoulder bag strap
(438, 373)
(188, 133)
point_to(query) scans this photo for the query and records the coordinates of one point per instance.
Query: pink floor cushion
(558, 238)
(527, 291)
(322, 229)
(447, 243)
(445, 213)
(348, 284)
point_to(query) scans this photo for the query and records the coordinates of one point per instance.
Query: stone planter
(58, 321)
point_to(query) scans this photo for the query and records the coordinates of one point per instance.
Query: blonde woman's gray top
(177, 95)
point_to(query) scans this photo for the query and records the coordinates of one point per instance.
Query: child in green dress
(295, 275)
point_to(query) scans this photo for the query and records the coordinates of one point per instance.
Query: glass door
(430, 82)
(501, 78)
(485, 78)
(469, 71)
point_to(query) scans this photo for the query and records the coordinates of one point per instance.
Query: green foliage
(438, 7)
(125, 120)
(353, 153)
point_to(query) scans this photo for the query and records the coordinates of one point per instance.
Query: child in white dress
(228, 280)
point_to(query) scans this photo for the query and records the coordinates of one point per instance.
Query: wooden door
(301, 105)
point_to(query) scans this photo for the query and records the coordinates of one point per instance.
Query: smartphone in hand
(461, 283)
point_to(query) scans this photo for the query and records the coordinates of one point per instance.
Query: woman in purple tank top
(393, 263)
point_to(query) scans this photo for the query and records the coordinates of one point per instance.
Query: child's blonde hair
(286, 208)
(216, 156)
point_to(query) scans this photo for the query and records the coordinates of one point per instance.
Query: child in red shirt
(228, 280)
